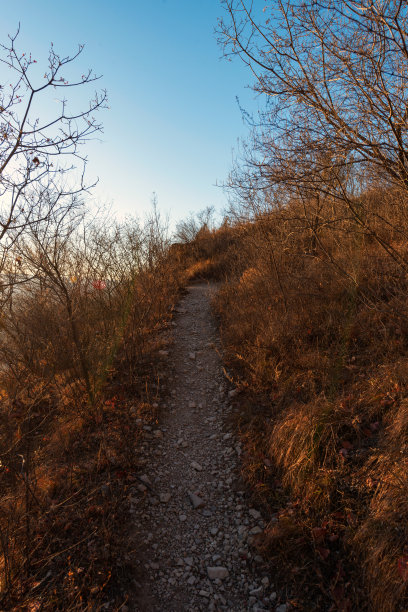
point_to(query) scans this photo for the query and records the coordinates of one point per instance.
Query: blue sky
(173, 120)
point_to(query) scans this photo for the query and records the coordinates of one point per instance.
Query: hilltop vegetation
(82, 302)
(321, 363)
(312, 258)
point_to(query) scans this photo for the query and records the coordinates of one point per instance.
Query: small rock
(182, 518)
(158, 433)
(255, 530)
(256, 592)
(281, 608)
(232, 393)
(189, 561)
(204, 594)
(254, 513)
(272, 596)
(192, 356)
(217, 573)
(196, 466)
(165, 497)
(265, 581)
(192, 405)
(196, 501)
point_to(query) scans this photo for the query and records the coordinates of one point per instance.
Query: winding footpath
(193, 518)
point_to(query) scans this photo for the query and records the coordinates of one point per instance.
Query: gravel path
(193, 517)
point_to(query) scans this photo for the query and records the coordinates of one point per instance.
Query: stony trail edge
(194, 520)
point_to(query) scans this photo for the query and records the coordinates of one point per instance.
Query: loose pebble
(219, 573)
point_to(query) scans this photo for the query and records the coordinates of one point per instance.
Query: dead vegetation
(79, 344)
(313, 311)
(83, 300)
(315, 338)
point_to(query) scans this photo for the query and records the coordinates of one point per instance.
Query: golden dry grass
(315, 335)
(68, 460)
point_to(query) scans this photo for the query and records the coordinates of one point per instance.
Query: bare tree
(37, 152)
(188, 229)
(334, 73)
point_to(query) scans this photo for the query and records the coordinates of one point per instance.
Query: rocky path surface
(193, 518)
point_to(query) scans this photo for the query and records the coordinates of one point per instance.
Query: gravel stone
(196, 501)
(219, 573)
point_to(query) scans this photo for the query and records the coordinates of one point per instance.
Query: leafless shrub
(92, 297)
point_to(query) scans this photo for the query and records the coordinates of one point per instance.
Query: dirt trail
(193, 452)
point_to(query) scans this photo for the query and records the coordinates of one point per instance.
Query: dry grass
(69, 456)
(314, 332)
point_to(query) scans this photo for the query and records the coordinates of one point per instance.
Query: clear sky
(173, 120)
